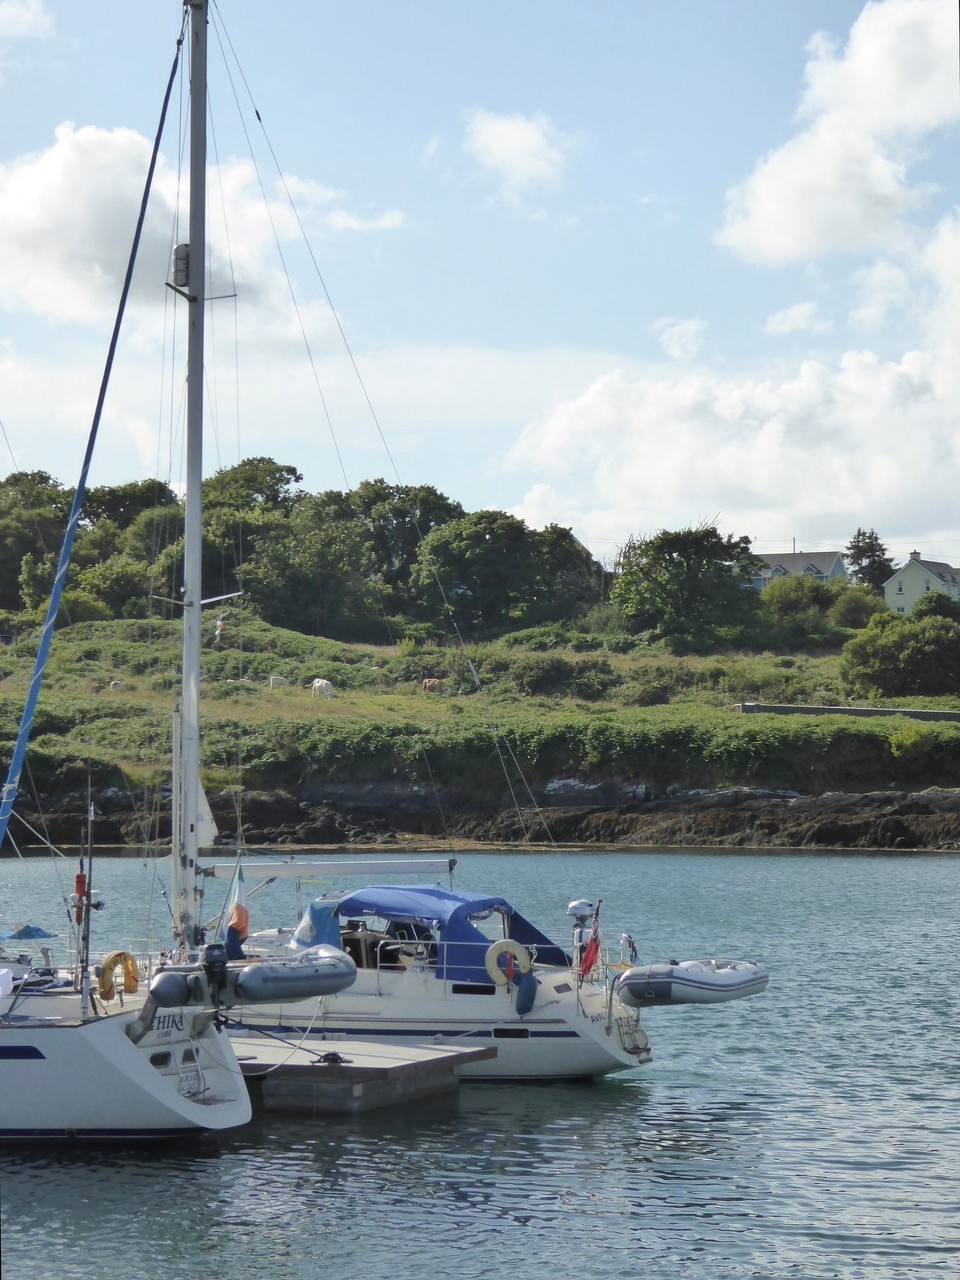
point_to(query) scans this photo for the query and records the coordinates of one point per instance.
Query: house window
(900, 609)
(900, 588)
(926, 585)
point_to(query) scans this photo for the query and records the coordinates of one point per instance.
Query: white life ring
(506, 947)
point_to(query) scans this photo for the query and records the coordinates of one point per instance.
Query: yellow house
(912, 581)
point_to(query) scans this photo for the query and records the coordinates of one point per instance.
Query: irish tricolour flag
(238, 921)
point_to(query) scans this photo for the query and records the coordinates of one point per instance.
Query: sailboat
(69, 1068)
(441, 965)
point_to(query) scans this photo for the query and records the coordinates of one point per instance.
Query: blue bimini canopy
(463, 946)
(25, 933)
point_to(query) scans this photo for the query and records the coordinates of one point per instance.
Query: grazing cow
(433, 686)
(278, 682)
(321, 686)
(116, 685)
(97, 687)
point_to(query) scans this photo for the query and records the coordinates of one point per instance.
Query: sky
(619, 266)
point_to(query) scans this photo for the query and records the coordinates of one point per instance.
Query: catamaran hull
(564, 1038)
(89, 1080)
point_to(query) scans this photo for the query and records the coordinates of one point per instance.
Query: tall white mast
(189, 780)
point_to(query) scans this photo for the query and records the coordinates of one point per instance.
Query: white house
(822, 565)
(913, 580)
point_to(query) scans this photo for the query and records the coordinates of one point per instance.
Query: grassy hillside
(563, 711)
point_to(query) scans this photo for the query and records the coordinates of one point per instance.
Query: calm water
(810, 1132)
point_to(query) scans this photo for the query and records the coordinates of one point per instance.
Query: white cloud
(841, 184)
(821, 448)
(660, 205)
(680, 339)
(24, 19)
(521, 152)
(941, 259)
(881, 290)
(342, 220)
(431, 152)
(67, 217)
(802, 317)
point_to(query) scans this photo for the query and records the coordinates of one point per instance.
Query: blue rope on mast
(9, 793)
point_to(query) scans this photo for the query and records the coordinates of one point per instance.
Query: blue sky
(622, 265)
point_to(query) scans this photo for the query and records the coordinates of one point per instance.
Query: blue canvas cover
(25, 933)
(463, 946)
(548, 952)
(319, 924)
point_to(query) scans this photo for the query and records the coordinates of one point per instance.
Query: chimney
(914, 555)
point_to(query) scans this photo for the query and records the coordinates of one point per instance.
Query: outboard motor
(581, 910)
(213, 959)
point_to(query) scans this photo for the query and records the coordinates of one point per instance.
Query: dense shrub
(540, 674)
(898, 655)
(538, 638)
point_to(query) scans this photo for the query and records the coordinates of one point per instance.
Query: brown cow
(433, 686)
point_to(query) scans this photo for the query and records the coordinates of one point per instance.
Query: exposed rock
(735, 818)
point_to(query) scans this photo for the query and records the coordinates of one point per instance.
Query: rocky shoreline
(609, 818)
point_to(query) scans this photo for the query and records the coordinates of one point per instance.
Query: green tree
(243, 504)
(36, 579)
(231, 540)
(801, 610)
(123, 503)
(393, 521)
(867, 559)
(482, 569)
(95, 543)
(685, 582)
(152, 531)
(898, 656)
(254, 482)
(313, 577)
(936, 604)
(33, 515)
(569, 581)
(120, 583)
(796, 594)
(35, 491)
(855, 606)
(795, 607)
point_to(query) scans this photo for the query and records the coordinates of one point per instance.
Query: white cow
(321, 686)
(278, 682)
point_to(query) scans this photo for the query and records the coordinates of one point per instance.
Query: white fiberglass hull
(566, 1036)
(72, 1079)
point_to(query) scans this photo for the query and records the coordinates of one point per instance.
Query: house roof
(799, 561)
(939, 569)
